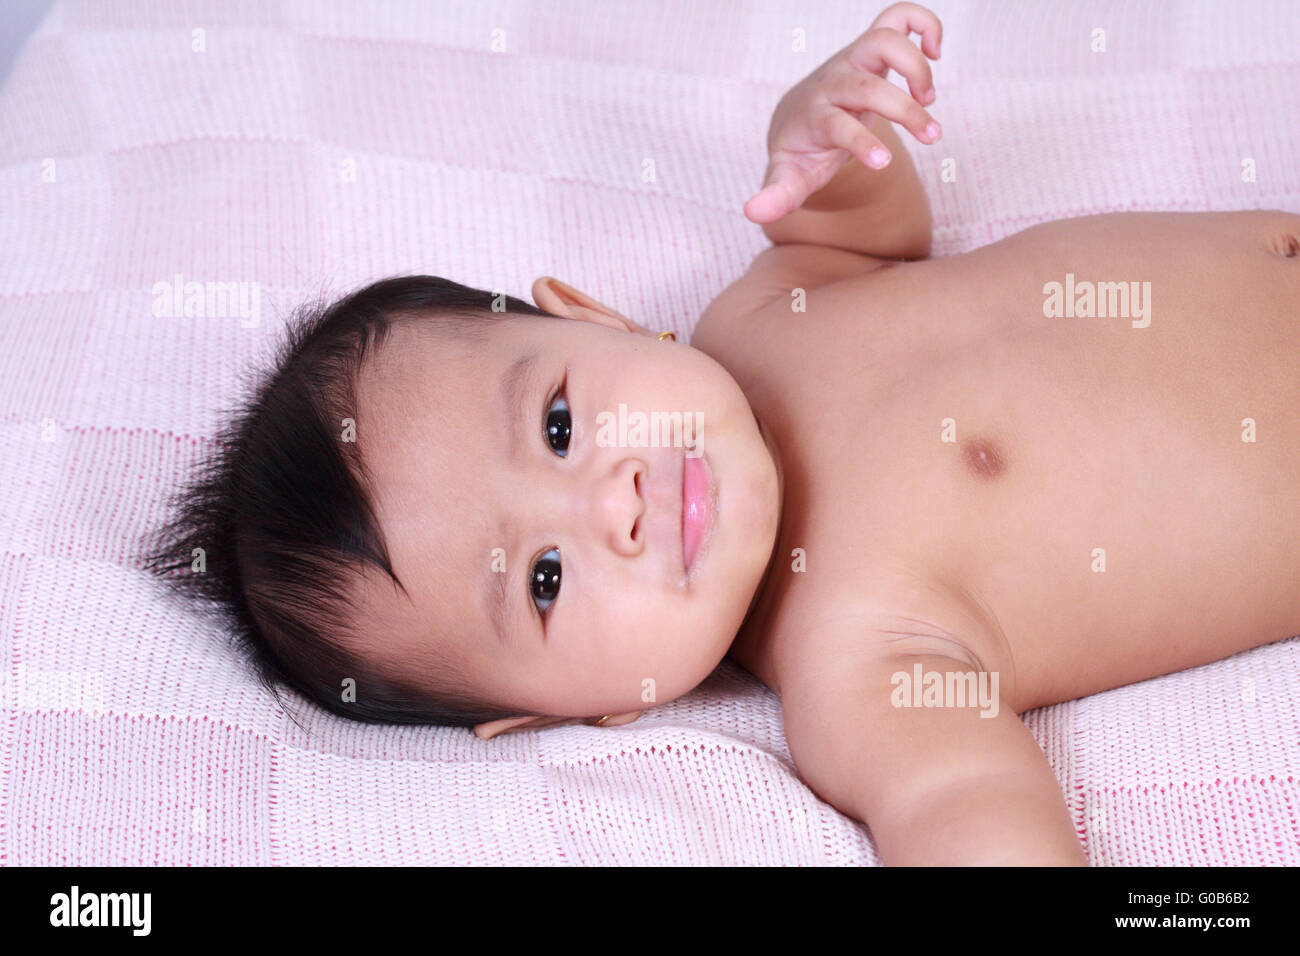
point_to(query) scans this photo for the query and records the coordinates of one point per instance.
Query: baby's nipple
(983, 458)
(1286, 245)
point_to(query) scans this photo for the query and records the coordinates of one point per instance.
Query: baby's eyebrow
(496, 602)
(516, 385)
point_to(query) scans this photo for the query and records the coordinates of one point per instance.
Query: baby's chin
(752, 512)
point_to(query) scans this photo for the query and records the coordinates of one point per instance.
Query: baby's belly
(1116, 496)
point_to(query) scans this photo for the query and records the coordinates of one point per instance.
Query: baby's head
(417, 518)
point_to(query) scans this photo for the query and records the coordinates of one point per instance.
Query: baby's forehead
(436, 540)
(423, 412)
(413, 388)
(415, 356)
(415, 641)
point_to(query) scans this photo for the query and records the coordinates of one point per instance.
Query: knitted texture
(304, 147)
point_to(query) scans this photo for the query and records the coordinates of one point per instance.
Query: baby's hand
(820, 122)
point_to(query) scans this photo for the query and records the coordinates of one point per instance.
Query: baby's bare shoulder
(776, 272)
(887, 611)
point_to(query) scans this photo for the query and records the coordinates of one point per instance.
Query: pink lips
(696, 504)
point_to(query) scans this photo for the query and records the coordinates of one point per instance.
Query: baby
(915, 497)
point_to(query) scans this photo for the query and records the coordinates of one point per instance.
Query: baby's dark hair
(273, 533)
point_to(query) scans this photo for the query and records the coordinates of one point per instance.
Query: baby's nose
(618, 506)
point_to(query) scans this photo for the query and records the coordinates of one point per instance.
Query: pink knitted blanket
(279, 150)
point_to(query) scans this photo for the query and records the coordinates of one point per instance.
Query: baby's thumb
(779, 196)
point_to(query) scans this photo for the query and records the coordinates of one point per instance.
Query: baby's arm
(937, 785)
(822, 185)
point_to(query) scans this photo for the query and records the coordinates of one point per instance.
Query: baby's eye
(558, 426)
(545, 583)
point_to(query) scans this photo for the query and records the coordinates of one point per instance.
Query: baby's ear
(560, 298)
(495, 728)
(619, 719)
(511, 724)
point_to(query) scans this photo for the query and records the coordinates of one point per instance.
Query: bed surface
(309, 147)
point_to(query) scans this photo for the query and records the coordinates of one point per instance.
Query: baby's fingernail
(877, 157)
(932, 130)
(929, 96)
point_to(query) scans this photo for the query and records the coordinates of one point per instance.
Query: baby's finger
(913, 18)
(859, 92)
(783, 192)
(852, 135)
(881, 49)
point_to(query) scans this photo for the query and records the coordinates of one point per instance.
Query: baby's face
(546, 561)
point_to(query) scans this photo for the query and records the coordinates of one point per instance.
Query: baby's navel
(983, 458)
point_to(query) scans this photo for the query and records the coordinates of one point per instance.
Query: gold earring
(667, 335)
(601, 722)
